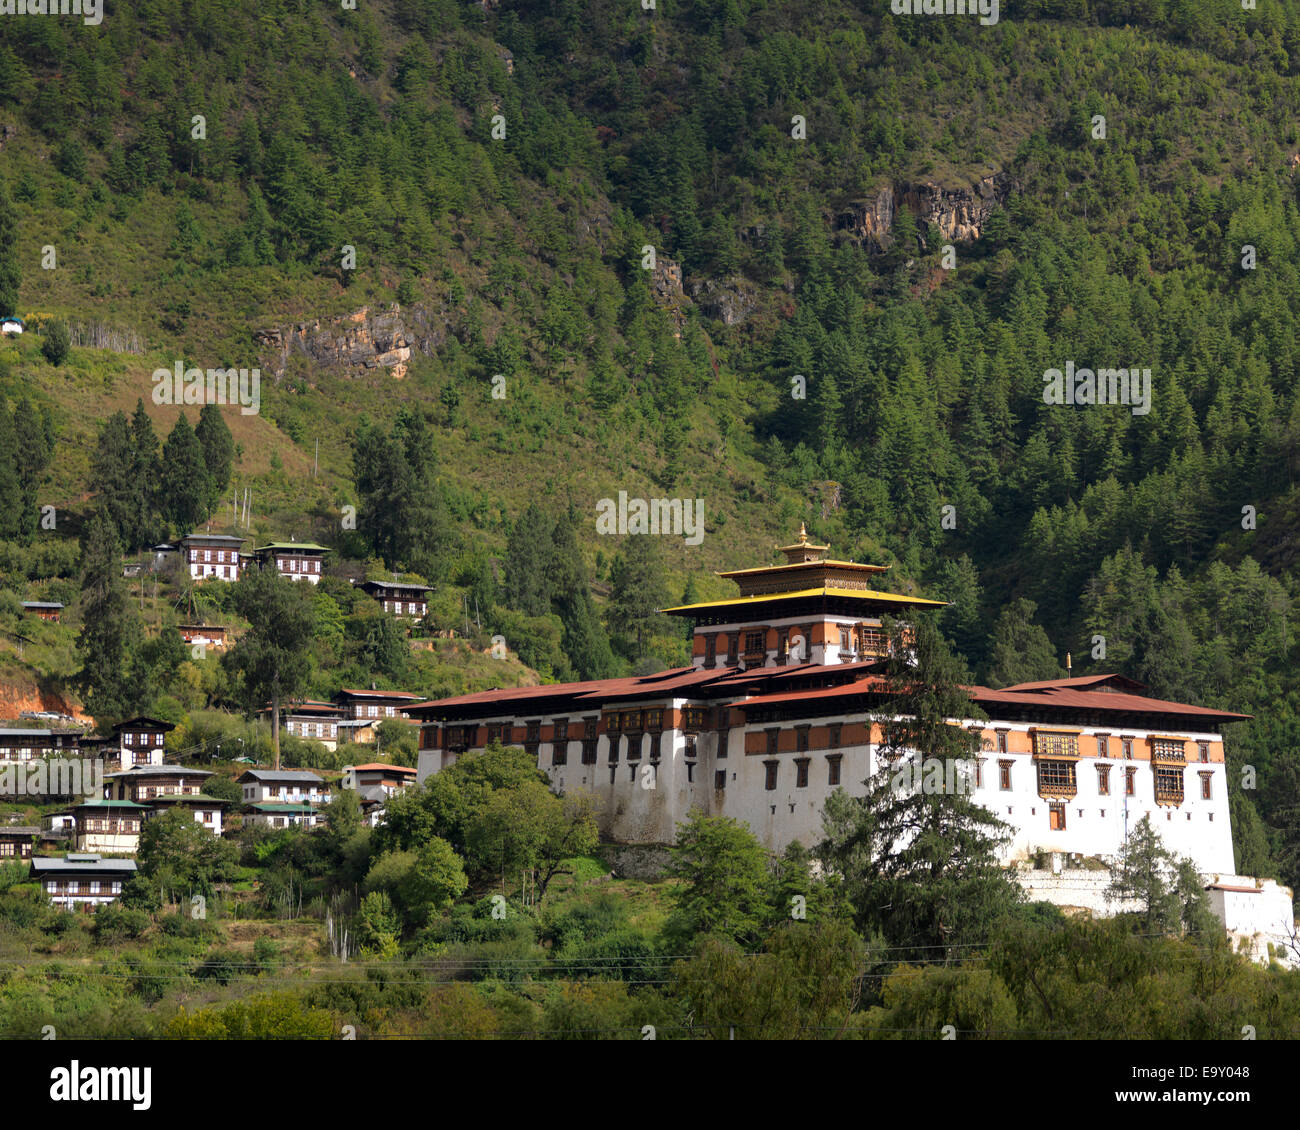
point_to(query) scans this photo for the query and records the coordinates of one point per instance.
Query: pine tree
(218, 448)
(920, 863)
(1021, 652)
(12, 524)
(145, 473)
(10, 271)
(638, 592)
(187, 486)
(528, 562)
(110, 466)
(109, 628)
(585, 642)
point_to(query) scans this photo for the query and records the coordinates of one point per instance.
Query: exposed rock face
(666, 279)
(868, 221)
(730, 300)
(357, 340)
(959, 213)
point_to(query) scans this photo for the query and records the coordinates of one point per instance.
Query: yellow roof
(806, 565)
(856, 594)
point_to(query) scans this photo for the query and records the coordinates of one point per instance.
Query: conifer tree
(919, 859)
(218, 448)
(187, 486)
(109, 629)
(10, 268)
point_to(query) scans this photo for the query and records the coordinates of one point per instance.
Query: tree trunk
(275, 727)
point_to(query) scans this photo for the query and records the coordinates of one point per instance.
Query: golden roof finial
(803, 533)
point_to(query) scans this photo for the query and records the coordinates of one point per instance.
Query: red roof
(1098, 700)
(381, 765)
(1079, 682)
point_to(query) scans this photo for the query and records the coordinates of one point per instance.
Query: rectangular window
(720, 779)
(1002, 741)
(979, 772)
(1056, 817)
(559, 753)
(1203, 751)
(632, 720)
(695, 718)
(613, 749)
(1126, 746)
(837, 729)
(589, 740)
(1103, 744)
(724, 738)
(561, 733)
(1206, 787)
(773, 737)
(710, 650)
(654, 719)
(771, 767)
(754, 643)
(801, 738)
(1103, 780)
(1056, 778)
(801, 772)
(1130, 776)
(1050, 744)
(833, 768)
(1004, 775)
(1169, 784)
(733, 646)
(846, 643)
(634, 747)
(656, 747)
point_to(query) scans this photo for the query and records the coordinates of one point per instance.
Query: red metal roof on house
(377, 765)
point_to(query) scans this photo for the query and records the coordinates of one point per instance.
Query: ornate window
(801, 772)
(770, 781)
(1169, 784)
(1056, 778)
(1103, 780)
(1049, 743)
(833, 762)
(1168, 749)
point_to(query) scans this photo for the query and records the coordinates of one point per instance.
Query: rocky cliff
(959, 213)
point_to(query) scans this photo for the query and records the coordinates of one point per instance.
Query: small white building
(299, 561)
(212, 556)
(273, 815)
(283, 786)
(11, 326)
(82, 882)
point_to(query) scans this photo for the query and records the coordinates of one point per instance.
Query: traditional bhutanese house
(105, 825)
(44, 609)
(24, 744)
(17, 841)
(82, 881)
(782, 704)
(211, 555)
(376, 774)
(272, 814)
(11, 326)
(317, 721)
(137, 741)
(299, 561)
(294, 786)
(401, 599)
(209, 636)
(358, 704)
(205, 810)
(372, 799)
(143, 783)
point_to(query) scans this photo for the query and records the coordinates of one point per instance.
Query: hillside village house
(11, 326)
(299, 561)
(209, 636)
(24, 744)
(389, 779)
(317, 721)
(401, 599)
(17, 841)
(82, 881)
(162, 787)
(103, 825)
(271, 814)
(44, 609)
(212, 556)
(135, 741)
(283, 786)
(358, 704)
(779, 707)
